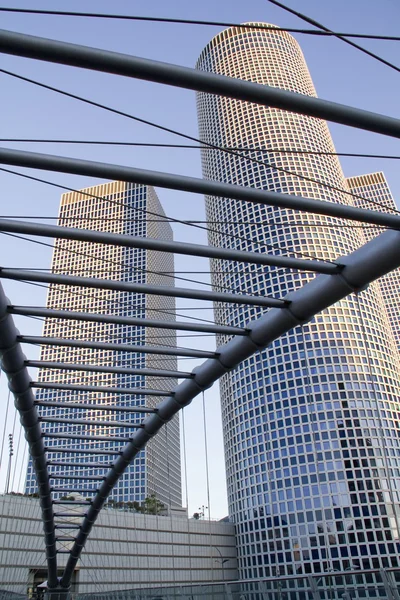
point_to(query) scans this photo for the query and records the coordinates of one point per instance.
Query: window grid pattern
(311, 436)
(115, 207)
(374, 186)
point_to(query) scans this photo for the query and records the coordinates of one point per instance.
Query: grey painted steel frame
(373, 260)
(366, 264)
(129, 241)
(76, 166)
(104, 284)
(13, 364)
(96, 59)
(167, 350)
(45, 364)
(99, 318)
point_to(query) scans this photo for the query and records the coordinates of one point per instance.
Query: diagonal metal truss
(334, 281)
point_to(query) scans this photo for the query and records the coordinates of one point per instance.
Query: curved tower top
(298, 80)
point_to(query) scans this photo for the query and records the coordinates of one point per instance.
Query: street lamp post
(222, 561)
(202, 510)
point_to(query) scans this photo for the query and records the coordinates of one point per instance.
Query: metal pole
(128, 241)
(77, 166)
(139, 288)
(29, 46)
(13, 364)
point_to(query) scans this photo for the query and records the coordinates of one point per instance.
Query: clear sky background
(340, 73)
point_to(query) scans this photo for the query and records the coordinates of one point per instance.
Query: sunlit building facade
(312, 448)
(123, 208)
(375, 187)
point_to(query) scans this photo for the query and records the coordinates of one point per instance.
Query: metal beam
(89, 423)
(98, 389)
(77, 166)
(76, 502)
(69, 436)
(369, 262)
(88, 406)
(75, 55)
(60, 463)
(72, 491)
(33, 311)
(99, 237)
(161, 350)
(77, 477)
(60, 450)
(13, 364)
(43, 364)
(138, 288)
(68, 515)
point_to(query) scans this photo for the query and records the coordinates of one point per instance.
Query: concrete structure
(310, 424)
(115, 207)
(126, 550)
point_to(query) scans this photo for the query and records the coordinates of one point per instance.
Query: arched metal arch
(350, 274)
(366, 264)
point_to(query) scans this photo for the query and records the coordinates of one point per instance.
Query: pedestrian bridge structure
(333, 281)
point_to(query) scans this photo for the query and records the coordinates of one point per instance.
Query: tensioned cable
(191, 222)
(13, 437)
(130, 338)
(187, 137)
(197, 147)
(126, 268)
(194, 22)
(83, 343)
(167, 455)
(17, 458)
(185, 474)
(105, 281)
(207, 481)
(340, 36)
(22, 466)
(86, 296)
(5, 426)
(133, 338)
(168, 219)
(83, 295)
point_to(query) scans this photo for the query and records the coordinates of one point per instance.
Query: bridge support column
(58, 593)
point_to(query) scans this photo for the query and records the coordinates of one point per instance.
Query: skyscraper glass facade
(312, 448)
(115, 207)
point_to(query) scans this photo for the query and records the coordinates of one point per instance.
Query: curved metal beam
(19, 382)
(96, 59)
(369, 262)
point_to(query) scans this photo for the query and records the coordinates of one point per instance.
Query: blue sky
(340, 73)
